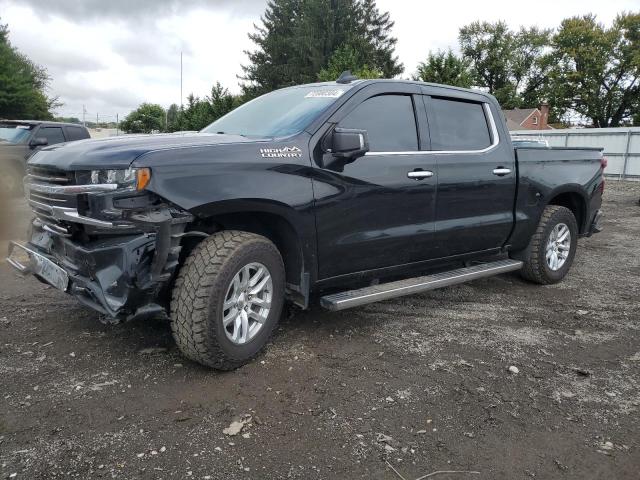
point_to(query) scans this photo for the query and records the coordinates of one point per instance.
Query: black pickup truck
(349, 192)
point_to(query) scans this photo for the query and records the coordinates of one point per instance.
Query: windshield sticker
(335, 93)
(285, 152)
(23, 127)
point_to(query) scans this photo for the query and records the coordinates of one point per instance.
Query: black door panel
(475, 205)
(371, 214)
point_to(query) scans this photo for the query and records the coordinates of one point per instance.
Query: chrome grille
(50, 175)
(42, 201)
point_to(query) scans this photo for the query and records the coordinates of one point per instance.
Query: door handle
(419, 174)
(501, 171)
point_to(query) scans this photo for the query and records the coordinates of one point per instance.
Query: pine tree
(297, 39)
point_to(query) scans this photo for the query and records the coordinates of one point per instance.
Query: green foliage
(445, 68)
(201, 112)
(67, 119)
(597, 70)
(347, 58)
(173, 117)
(298, 38)
(511, 65)
(23, 84)
(147, 118)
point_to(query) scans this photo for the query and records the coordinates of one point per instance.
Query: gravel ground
(398, 389)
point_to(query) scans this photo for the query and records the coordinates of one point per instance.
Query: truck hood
(120, 152)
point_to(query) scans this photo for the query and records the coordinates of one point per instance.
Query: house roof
(519, 115)
(511, 125)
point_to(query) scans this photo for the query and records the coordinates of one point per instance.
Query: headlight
(136, 178)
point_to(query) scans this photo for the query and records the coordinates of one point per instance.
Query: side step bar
(376, 293)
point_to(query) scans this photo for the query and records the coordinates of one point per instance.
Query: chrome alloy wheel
(558, 246)
(247, 303)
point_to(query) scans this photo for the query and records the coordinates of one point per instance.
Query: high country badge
(284, 152)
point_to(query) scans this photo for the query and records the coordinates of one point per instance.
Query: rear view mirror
(349, 143)
(38, 142)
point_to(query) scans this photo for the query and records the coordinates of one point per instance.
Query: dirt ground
(393, 390)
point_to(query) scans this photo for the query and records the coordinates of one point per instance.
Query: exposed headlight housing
(135, 178)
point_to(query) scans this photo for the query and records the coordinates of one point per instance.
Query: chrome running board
(385, 291)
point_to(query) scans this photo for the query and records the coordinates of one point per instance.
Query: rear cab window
(389, 121)
(457, 125)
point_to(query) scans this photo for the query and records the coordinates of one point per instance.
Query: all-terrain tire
(536, 268)
(199, 294)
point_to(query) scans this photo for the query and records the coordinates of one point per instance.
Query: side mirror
(38, 142)
(349, 143)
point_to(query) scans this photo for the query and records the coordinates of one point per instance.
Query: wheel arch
(278, 222)
(575, 200)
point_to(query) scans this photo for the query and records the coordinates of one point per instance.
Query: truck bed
(541, 170)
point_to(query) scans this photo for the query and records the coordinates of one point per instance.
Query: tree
(297, 39)
(173, 118)
(446, 68)
(511, 65)
(23, 84)
(597, 70)
(68, 119)
(532, 62)
(147, 118)
(347, 58)
(201, 112)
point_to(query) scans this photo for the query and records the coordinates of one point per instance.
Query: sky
(111, 55)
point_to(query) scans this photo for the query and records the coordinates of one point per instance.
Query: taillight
(604, 161)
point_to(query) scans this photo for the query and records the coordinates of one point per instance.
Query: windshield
(280, 113)
(14, 133)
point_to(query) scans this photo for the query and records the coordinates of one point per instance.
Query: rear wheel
(552, 247)
(227, 299)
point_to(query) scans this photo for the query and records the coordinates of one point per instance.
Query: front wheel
(552, 247)
(227, 299)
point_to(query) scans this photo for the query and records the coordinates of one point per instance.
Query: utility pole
(96, 120)
(84, 112)
(180, 81)
(117, 125)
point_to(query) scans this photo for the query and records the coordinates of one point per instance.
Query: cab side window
(76, 133)
(389, 121)
(457, 125)
(52, 134)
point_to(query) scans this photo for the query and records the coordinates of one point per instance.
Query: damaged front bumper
(110, 276)
(119, 267)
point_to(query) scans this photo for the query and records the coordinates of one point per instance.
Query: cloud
(110, 65)
(133, 10)
(110, 55)
(152, 48)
